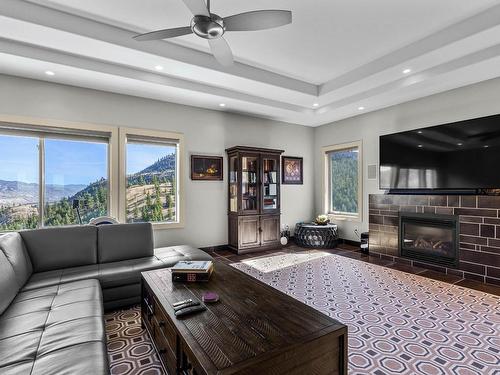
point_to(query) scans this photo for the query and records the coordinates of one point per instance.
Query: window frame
(55, 129)
(326, 151)
(172, 137)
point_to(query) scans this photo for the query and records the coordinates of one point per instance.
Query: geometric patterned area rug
(398, 323)
(130, 350)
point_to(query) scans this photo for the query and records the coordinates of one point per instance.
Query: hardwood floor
(354, 253)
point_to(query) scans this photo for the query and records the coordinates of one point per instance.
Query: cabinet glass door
(249, 183)
(233, 184)
(270, 183)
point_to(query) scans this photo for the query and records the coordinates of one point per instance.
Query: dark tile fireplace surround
(459, 235)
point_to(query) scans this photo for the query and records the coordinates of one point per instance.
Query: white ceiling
(341, 54)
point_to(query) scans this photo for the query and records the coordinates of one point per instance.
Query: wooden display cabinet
(254, 198)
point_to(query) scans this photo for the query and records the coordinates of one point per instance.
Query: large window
(343, 190)
(152, 177)
(64, 171)
(61, 173)
(151, 192)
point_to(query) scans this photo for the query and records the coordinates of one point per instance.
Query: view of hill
(345, 190)
(151, 192)
(150, 197)
(163, 168)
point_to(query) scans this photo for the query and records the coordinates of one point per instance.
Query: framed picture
(292, 170)
(206, 168)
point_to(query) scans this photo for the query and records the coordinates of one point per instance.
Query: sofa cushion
(8, 283)
(173, 254)
(43, 279)
(126, 272)
(125, 241)
(54, 330)
(66, 275)
(61, 247)
(13, 247)
(83, 359)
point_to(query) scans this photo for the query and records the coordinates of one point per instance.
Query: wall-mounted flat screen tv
(463, 155)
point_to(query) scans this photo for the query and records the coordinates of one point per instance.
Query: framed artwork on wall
(206, 168)
(292, 170)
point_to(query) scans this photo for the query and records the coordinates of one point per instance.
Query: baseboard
(211, 249)
(349, 242)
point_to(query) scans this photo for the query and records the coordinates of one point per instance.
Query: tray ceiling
(345, 56)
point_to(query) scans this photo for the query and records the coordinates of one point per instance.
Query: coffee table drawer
(165, 351)
(165, 325)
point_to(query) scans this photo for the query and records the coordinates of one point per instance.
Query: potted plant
(322, 220)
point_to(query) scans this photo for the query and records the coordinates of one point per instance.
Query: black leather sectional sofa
(55, 284)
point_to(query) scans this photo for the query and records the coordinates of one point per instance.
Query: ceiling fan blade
(197, 7)
(221, 51)
(258, 20)
(164, 34)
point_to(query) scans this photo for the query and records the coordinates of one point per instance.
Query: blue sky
(18, 159)
(140, 156)
(68, 162)
(74, 162)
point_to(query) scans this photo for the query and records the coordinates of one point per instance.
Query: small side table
(319, 236)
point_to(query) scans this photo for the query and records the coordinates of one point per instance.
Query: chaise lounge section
(55, 285)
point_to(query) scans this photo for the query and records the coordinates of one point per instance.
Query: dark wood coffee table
(254, 329)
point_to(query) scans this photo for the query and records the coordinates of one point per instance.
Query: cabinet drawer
(165, 351)
(166, 328)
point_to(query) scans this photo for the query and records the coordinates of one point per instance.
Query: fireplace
(429, 237)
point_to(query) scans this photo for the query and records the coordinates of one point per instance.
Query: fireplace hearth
(429, 237)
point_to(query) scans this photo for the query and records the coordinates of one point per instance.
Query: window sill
(161, 226)
(340, 217)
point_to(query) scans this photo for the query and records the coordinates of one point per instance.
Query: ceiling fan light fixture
(208, 27)
(211, 27)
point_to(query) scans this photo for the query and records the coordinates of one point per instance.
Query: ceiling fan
(212, 27)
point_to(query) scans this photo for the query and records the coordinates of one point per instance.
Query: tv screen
(463, 155)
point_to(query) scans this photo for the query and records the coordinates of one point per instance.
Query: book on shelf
(233, 203)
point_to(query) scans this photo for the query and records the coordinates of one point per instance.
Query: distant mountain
(162, 168)
(165, 164)
(16, 192)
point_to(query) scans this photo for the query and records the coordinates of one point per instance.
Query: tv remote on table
(186, 305)
(189, 310)
(175, 304)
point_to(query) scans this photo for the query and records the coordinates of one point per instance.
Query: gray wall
(211, 132)
(205, 131)
(477, 100)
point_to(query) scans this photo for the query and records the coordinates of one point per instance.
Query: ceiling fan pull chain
(208, 6)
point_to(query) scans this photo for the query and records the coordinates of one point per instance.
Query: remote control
(189, 310)
(186, 305)
(182, 302)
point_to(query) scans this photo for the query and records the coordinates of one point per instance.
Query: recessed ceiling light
(50, 73)
(420, 146)
(486, 146)
(159, 67)
(315, 104)
(222, 105)
(406, 71)
(361, 108)
(459, 144)
(419, 132)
